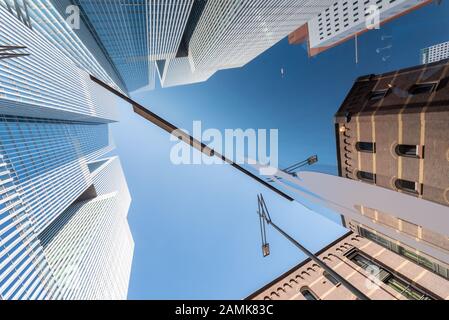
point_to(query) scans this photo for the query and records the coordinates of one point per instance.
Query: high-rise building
(378, 273)
(89, 246)
(188, 41)
(55, 186)
(137, 33)
(345, 19)
(435, 53)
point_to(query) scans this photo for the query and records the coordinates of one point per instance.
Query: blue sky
(195, 227)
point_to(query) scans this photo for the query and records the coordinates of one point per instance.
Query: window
(411, 151)
(308, 294)
(421, 88)
(369, 147)
(407, 186)
(366, 176)
(386, 276)
(418, 258)
(378, 95)
(330, 278)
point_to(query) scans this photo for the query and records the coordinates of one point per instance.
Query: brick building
(392, 131)
(379, 273)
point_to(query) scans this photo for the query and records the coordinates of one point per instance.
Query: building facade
(54, 129)
(435, 53)
(89, 246)
(378, 273)
(345, 19)
(188, 41)
(392, 131)
(392, 192)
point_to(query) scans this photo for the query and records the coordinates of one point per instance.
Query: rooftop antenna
(265, 216)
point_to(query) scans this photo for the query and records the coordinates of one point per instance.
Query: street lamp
(265, 219)
(293, 169)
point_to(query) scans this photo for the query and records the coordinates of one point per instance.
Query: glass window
(308, 294)
(366, 176)
(378, 95)
(405, 150)
(369, 147)
(421, 88)
(386, 276)
(407, 186)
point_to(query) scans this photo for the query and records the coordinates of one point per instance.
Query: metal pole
(173, 130)
(328, 269)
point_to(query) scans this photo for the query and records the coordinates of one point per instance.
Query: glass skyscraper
(63, 206)
(187, 41)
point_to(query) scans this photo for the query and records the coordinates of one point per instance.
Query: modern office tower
(188, 41)
(348, 18)
(53, 129)
(232, 34)
(137, 33)
(435, 53)
(378, 273)
(89, 246)
(24, 271)
(47, 83)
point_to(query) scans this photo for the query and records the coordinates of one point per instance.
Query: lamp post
(265, 218)
(293, 169)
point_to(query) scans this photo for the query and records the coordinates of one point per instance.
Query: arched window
(366, 176)
(368, 147)
(421, 88)
(308, 294)
(405, 150)
(378, 95)
(408, 186)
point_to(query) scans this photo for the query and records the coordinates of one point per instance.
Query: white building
(89, 247)
(53, 129)
(435, 53)
(143, 36)
(232, 34)
(346, 18)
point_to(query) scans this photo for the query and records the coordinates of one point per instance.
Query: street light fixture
(265, 219)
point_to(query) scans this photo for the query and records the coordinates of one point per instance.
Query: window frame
(417, 86)
(417, 190)
(378, 95)
(419, 153)
(364, 179)
(364, 150)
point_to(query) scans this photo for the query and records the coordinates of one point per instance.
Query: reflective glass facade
(53, 189)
